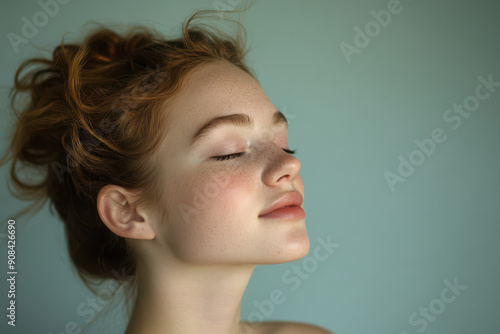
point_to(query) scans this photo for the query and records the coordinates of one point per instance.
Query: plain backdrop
(361, 91)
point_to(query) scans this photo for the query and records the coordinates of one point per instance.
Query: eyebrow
(242, 120)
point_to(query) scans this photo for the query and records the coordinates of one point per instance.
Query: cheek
(216, 190)
(213, 211)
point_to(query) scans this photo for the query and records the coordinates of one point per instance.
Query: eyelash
(236, 155)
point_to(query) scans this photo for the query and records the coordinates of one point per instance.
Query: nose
(281, 167)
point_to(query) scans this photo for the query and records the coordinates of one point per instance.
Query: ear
(115, 210)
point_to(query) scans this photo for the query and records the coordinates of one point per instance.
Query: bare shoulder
(283, 327)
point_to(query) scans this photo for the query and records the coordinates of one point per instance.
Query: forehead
(215, 89)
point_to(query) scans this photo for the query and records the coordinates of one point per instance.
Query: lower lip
(287, 213)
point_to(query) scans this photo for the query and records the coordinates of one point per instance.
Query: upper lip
(287, 199)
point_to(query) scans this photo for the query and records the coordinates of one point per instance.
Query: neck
(187, 298)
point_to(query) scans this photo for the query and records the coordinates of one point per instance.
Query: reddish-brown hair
(95, 116)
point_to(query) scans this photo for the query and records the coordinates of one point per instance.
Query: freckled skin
(192, 274)
(226, 227)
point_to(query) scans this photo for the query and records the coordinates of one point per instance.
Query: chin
(299, 250)
(296, 248)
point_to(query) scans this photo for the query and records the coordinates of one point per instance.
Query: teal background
(349, 121)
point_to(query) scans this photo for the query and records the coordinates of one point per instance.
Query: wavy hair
(95, 114)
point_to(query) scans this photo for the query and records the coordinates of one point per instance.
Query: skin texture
(194, 267)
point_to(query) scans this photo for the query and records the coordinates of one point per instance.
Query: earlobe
(115, 210)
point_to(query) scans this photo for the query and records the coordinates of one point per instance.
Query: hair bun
(96, 116)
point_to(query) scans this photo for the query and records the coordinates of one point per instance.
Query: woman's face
(214, 205)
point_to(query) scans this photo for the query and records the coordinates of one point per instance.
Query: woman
(168, 164)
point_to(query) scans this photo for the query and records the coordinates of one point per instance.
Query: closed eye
(239, 154)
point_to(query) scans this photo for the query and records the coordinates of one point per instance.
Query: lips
(290, 199)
